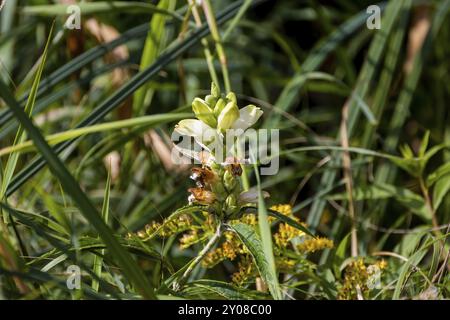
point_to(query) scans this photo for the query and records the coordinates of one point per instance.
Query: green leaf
(154, 44)
(143, 122)
(21, 135)
(339, 255)
(401, 110)
(424, 144)
(440, 190)
(98, 260)
(208, 289)
(89, 8)
(365, 78)
(264, 263)
(76, 64)
(439, 173)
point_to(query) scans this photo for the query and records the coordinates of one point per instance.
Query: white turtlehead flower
(192, 127)
(209, 127)
(248, 116)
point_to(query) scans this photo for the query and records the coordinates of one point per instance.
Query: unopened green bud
(203, 112)
(228, 116)
(220, 105)
(232, 97)
(229, 180)
(210, 100)
(215, 92)
(231, 204)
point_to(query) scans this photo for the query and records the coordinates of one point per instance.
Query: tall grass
(86, 173)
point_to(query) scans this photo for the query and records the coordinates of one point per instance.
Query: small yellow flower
(188, 239)
(249, 219)
(285, 209)
(315, 244)
(382, 264)
(246, 270)
(285, 234)
(285, 264)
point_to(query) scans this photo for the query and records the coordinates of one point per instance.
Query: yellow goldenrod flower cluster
(286, 258)
(189, 239)
(199, 228)
(285, 209)
(246, 270)
(249, 219)
(285, 264)
(229, 249)
(285, 234)
(314, 244)
(166, 228)
(285, 231)
(357, 276)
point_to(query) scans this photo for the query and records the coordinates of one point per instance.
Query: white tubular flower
(200, 131)
(192, 127)
(251, 196)
(202, 157)
(247, 117)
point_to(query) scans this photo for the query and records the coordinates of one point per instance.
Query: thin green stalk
(208, 55)
(207, 9)
(212, 241)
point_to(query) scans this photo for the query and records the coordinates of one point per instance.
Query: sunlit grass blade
(99, 7)
(143, 122)
(98, 260)
(21, 135)
(154, 43)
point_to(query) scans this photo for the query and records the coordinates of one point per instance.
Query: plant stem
(207, 9)
(347, 166)
(216, 236)
(429, 205)
(208, 55)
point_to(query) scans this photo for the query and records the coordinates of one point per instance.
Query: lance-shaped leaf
(254, 244)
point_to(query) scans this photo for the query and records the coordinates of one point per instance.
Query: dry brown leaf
(419, 29)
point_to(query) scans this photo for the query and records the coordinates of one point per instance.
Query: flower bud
(219, 106)
(215, 92)
(228, 116)
(203, 112)
(229, 180)
(231, 97)
(210, 100)
(231, 203)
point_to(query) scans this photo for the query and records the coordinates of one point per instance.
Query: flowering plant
(222, 214)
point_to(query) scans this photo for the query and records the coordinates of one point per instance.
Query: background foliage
(365, 131)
